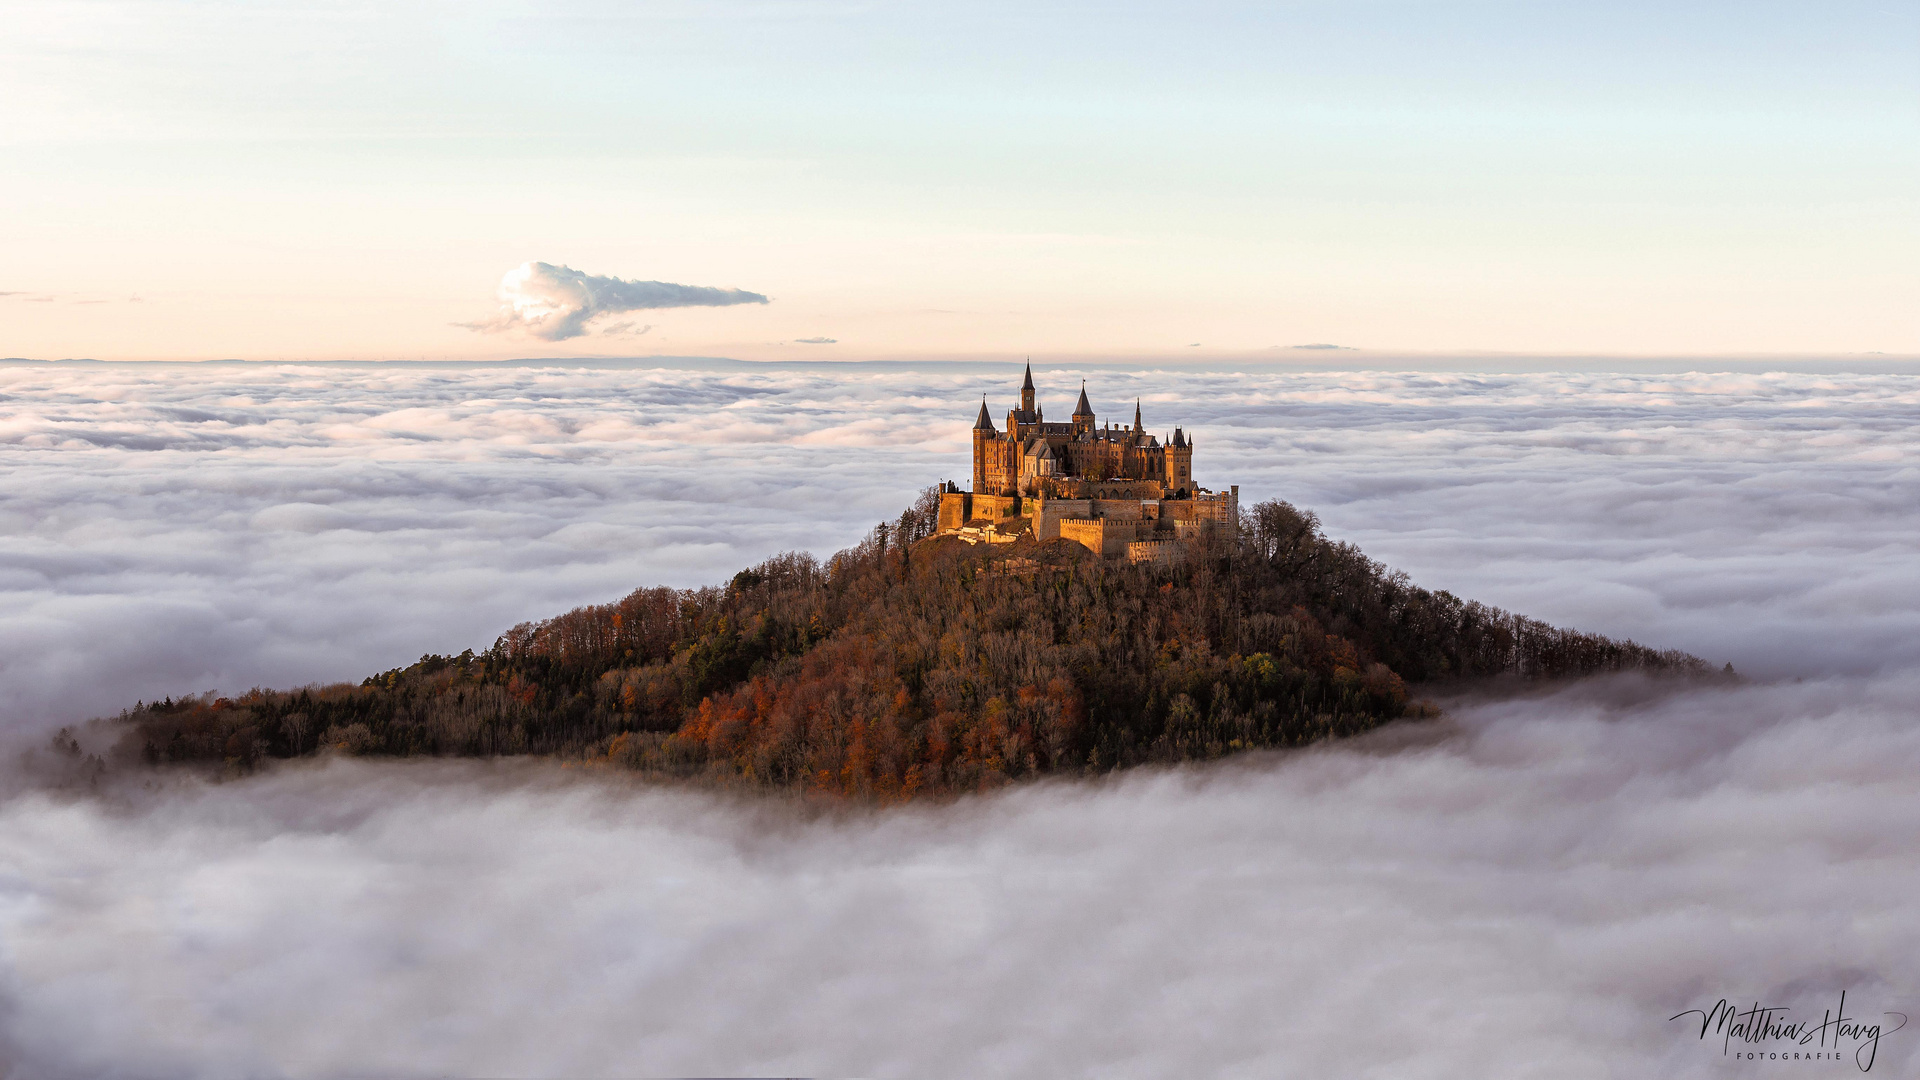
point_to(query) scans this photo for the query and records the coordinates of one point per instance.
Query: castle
(1119, 491)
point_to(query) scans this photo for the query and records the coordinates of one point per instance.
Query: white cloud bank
(554, 303)
(1529, 889)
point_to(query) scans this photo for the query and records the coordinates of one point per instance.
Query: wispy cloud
(554, 303)
(50, 298)
(816, 341)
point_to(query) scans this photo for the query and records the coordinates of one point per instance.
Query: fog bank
(1529, 887)
(169, 529)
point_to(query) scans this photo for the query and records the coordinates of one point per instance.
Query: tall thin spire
(1136, 415)
(1026, 391)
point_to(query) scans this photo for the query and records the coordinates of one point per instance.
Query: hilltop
(914, 663)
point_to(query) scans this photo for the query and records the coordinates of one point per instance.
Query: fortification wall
(1051, 512)
(1123, 509)
(1221, 508)
(956, 508)
(996, 507)
(1102, 536)
(1159, 552)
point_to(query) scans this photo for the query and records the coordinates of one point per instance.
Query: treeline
(900, 667)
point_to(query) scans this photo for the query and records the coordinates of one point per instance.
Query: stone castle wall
(1159, 552)
(1103, 536)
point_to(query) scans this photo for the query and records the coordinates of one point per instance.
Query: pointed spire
(985, 422)
(1028, 385)
(1083, 409)
(1136, 415)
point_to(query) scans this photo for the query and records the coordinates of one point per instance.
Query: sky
(1531, 886)
(198, 180)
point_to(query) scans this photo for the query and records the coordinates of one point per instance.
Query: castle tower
(1138, 430)
(1083, 412)
(983, 434)
(1026, 391)
(1180, 463)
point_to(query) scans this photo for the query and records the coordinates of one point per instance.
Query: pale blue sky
(351, 180)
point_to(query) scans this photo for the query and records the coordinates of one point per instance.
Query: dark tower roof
(1083, 409)
(985, 422)
(1136, 414)
(1028, 385)
(1179, 437)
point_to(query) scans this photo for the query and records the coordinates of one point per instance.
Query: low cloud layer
(554, 303)
(168, 529)
(1528, 888)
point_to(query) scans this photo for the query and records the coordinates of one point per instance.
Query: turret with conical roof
(1083, 413)
(983, 437)
(1026, 390)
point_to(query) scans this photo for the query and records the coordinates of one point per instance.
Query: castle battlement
(1117, 490)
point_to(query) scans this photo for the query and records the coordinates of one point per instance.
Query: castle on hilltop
(1119, 491)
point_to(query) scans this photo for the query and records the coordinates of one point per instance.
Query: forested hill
(909, 664)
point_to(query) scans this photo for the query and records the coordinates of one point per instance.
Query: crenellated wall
(1049, 513)
(1103, 536)
(1159, 552)
(957, 508)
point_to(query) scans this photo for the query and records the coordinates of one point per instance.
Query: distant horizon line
(1343, 359)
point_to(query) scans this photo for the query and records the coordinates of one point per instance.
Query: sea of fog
(1530, 886)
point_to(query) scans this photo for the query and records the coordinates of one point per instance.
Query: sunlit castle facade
(1080, 459)
(1118, 490)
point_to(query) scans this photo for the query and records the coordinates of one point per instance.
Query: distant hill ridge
(913, 664)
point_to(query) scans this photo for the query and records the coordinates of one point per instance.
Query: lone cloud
(555, 303)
